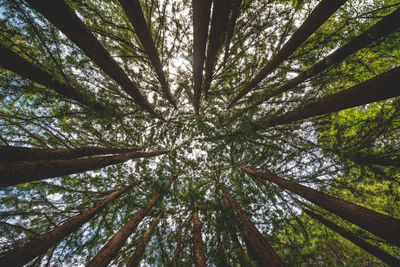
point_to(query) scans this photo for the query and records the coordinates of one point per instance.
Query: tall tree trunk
(108, 252)
(201, 17)
(377, 252)
(379, 224)
(64, 18)
(381, 87)
(134, 12)
(244, 262)
(12, 153)
(231, 26)
(318, 16)
(15, 63)
(134, 261)
(222, 258)
(258, 247)
(39, 245)
(175, 260)
(377, 160)
(13, 173)
(198, 249)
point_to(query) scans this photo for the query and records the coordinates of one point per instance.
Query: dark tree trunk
(377, 160)
(108, 252)
(13, 173)
(222, 258)
(175, 260)
(258, 247)
(134, 261)
(318, 16)
(39, 245)
(381, 87)
(231, 26)
(198, 249)
(379, 224)
(11, 153)
(377, 252)
(244, 262)
(201, 17)
(134, 12)
(64, 18)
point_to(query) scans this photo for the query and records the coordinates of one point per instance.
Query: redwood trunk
(175, 260)
(258, 247)
(222, 258)
(134, 261)
(318, 16)
(242, 257)
(64, 18)
(13, 173)
(231, 26)
(108, 252)
(379, 224)
(198, 249)
(377, 252)
(377, 160)
(39, 245)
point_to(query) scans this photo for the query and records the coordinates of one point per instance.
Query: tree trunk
(318, 16)
(377, 252)
(134, 261)
(381, 87)
(222, 258)
(377, 160)
(198, 249)
(39, 245)
(13, 173)
(231, 26)
(258, 247)
(134, 12)
(64, 18)
(11, 153)
(175, 260)
(244, 262)
(201, 17)
(379, 224)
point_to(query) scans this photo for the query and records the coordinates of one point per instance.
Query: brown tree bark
(134, 261)
(175, 260)
(237, 4)
(134, 12)
(242, 257)
(318, 16)
(201, 17)
(258, 247)
(39, 245)
(377, 252)
(108, 252)
(64, 18)
(222, 258)
(12, 153)
(198, 249)
(13, 173)
(377, 223)
(377, 160)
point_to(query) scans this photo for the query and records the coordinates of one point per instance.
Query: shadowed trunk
(379, 224)
(377, 160)
(13, 173)
(242, 257)
(134, 261)
(231, 26)
(175, 260)
(222, 258)
(201, 17)
(64, 18)
(15, 63)
(318, 16)
(258, 247)
(10, 153)
(108, 252)
(198, 249)
(134, 12)
(39, 245)
(377, 252)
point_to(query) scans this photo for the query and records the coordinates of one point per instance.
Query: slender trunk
(258, 247)
(39, 245)
(134, 12)
(231, 26)
(108, 252)
(222, 258)
(377, 160)
(244, 262)
(10, 153)
(175, 260)
(318, 16)
(377, 252)
(134, 261)
(15, 63)
(64, 18)
(201, 17)
(198, 249)
(381, 87)
(13, 173)
(379, 224)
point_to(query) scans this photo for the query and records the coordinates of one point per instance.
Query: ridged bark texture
(198, 249)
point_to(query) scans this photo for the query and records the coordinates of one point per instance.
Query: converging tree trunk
(175, 260)
(39, 245)
(377, 160)
(377, 252)
(379, 224)
(198, 249)
(222, 259)
(108, 252)
(231, 26)
(13, 173)
(242, 255)
(134, 261)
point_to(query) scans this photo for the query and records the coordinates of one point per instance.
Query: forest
(199, 133)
